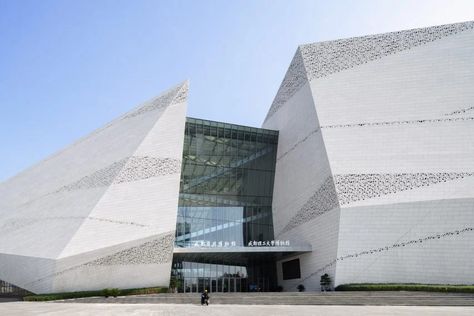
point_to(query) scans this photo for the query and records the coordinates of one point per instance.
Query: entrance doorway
(195, 277)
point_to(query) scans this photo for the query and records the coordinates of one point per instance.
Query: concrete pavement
(54, 309)
(380, 298)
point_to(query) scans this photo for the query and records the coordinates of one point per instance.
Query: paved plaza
(333, 303)
(38, 308)
(376, 298)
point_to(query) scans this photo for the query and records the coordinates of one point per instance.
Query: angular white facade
(375, 164)
(102, 212)
(374, 180)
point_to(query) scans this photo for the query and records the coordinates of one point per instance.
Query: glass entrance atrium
(225, 206)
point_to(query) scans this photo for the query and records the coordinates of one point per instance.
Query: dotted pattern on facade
(412, 242)
(182, 94)
(313, 132)
(160, 102)
(157, 251)
(326, 58)
(357, 187)
(344, 189)
(140, 168)
(20, 223)
(127, 170)
(461, 111)
(322, 201)
(422, 121)
(100, 178)
(294, 79)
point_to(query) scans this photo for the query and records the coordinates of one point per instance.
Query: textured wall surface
(305, 205)
(394, 115)
(101, 212)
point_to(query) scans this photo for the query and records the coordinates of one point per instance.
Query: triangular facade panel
(106, 189)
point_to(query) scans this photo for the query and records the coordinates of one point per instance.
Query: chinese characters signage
(214, 244)
(252, 243)
(269, 243)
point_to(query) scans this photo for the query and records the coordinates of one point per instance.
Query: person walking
(204, 298)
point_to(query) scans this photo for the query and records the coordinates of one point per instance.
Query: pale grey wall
(396, 119)
(102, 212)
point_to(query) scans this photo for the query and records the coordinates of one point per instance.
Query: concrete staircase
(305, 298)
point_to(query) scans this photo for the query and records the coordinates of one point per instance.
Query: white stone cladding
(375, 170)
(102, 212)
(305, 206)
(396, 126)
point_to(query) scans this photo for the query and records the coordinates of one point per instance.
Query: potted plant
(325, 282)
(301, 288)
(175, 283)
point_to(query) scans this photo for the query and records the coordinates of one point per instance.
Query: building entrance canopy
(233, 269)
(287, 250)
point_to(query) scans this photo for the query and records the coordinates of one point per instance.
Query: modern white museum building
(363, 169)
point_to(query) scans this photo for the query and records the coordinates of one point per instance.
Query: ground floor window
(223, 275)
(291, 269)
(8, 289)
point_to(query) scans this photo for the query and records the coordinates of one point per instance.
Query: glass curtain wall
(10, 290)
(226, 189)
(225, 274)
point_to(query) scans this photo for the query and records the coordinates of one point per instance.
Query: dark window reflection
(8, 289)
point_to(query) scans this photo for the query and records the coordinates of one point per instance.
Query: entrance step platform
(290, 298)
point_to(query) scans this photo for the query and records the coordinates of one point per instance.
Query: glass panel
(225, 201)
(223, 274)
(227, 171)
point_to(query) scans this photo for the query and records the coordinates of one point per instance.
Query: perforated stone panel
(156, 251)
(182, 94)
(356, 187)
(295, 78)
(107, 193)
(461, 111)
(304, 139)
(322, 59)
(401, 244)
(127, 170)
(322, 201)
(18, 223)
(408, 122)
(161, 101)
(139, 168)
(100, 178)
(325, 58)
(395, 115)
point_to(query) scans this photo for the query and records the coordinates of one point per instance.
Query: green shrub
(61, 296)
(406, 287)
(143, 291)
(104, 292)
(114, 292)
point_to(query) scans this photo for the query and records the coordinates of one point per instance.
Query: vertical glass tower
(225, 207)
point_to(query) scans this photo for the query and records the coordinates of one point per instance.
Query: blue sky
(68, 67)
